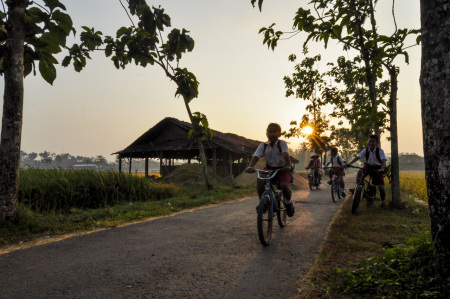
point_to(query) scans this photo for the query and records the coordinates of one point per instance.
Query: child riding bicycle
(277, 157)
(315, 164)
(375, 160)
(337, 164)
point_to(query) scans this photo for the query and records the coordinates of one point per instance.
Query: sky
(102, 110)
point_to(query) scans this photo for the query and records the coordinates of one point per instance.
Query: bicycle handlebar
(268, 172)
(368, 169)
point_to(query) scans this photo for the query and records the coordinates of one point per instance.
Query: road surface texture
(212, 252)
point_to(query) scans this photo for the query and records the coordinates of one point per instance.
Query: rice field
(414, 184)
(63, 189)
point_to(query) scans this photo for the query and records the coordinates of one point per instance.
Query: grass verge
(380, 253)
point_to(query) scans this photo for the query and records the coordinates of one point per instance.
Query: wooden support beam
(120, 164)
(215, 161)
(129, 171)
(231, 165)
(146, 167)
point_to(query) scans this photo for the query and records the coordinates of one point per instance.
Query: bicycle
(336, 191)
(312, 180)
(365, 189)
(271, 202)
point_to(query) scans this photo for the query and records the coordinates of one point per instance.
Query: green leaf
(47, 70)
(63, 20)
(52, 4)
(122, 31)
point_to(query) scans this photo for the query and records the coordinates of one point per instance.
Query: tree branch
(129, 17)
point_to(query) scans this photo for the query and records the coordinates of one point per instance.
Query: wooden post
(224, 163)
(129, 170)
(160, 166)
(120, 164)
(231, 166)
(215, 161)
(146, 167)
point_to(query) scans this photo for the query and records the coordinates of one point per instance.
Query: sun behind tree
(308, 130)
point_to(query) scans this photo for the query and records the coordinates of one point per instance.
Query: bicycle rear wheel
(281, 213)
(334, 192)
(356, 198)
(263, 221)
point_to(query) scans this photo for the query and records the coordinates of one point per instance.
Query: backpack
(279, 147)
(377, 154)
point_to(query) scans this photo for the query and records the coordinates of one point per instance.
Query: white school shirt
(272, 154)
(334, 161)
(372, 156)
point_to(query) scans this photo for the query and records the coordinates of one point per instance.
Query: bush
(414, 271)
(60, 190)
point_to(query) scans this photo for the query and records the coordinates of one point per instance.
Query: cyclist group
(276, 154)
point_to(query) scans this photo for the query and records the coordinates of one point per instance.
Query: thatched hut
(168, 141)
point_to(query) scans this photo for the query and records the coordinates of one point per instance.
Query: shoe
(383, 205)
(351, 190)
(344, 193)
(290, 209)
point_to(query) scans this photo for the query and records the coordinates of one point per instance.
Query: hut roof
(170, 135)
(176, 140)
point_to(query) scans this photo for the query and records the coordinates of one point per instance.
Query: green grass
(50, 214)
(380, 253)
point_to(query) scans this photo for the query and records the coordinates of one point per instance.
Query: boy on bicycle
(375, 160)
(315, 163)
(277, 157)
(337, 163)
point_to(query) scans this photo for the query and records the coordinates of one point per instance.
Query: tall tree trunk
(201, 149)
(371, 78)
(395, 166)
(435, 98)
(12, 110)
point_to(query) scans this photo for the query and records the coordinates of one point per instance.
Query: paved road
(207, 253)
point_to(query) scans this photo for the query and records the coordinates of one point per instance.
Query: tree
(435, 98)
(143, 44)
(353, 24)
(29, 33)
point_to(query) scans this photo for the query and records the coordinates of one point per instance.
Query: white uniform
(273, 154)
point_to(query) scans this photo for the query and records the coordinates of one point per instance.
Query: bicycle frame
(270, 191)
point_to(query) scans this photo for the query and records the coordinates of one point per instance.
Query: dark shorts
(283, 177)
(338, 170)
(377, 177)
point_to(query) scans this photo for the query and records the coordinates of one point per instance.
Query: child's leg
(341, 181)
(287, 193)
(382, 193)
(260, 186)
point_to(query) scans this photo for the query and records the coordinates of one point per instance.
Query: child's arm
(354, 160)
(252, 163)
(287, 161)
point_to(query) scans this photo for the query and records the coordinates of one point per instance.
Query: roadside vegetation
(58, 201)
(380, 253)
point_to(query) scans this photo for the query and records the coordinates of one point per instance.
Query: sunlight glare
(307, 130)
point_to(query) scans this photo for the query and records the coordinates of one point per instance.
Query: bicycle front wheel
(356, 198)
(264, 221)
(334, 191)
(281, 213)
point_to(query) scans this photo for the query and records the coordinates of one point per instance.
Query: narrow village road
(212, 252)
